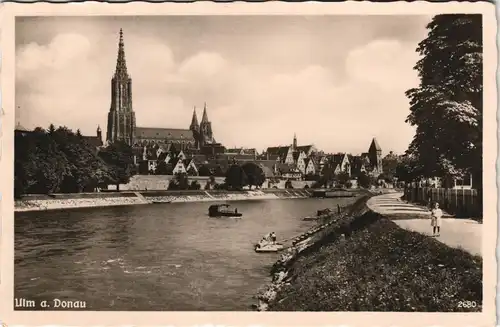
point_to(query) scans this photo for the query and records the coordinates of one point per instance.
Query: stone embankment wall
(337, 225)
(160, 182)
(76, 200)
(104, 199)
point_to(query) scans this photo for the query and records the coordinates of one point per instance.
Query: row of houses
(287, 162)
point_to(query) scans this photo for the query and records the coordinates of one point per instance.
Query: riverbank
(106, 199)
(365, 262)
(463, 233)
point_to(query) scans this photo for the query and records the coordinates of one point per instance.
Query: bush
(311, 177)
(222, 186)
(316, 185)
(194, 185)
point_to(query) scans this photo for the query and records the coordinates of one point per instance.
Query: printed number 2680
(467, 304)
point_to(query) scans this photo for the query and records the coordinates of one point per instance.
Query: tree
(389, 165)
(218, 171)
(408, 169)
(447, 106)
(191, 171)
(162, 168)
(236, 178)
(119, 157)
(85, 169)
(204, 171)
(210, 184)
(386, 178)
(342, 178)
(56, 160)
(364, 180)
(328, 175)
(194, 185)
(179, 182)
(255, 174)
(52, 129)
(312, 177)
(39, 166)
(182, 181)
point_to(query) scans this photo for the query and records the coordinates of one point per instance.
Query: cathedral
(122, 121)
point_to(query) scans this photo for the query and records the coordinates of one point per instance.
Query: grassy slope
(381, 267)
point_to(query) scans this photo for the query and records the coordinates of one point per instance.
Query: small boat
(264, 246)
(326, 211)
(222, 210)
(161, 202)
(320, 214)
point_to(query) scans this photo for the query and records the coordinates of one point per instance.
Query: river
(161, 257)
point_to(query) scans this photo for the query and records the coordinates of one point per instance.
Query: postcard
(299, 164)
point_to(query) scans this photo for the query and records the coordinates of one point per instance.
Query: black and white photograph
(311, 163)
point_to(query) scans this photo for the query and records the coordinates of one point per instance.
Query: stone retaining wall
(161, 182)
(104, 199)
(281, 269)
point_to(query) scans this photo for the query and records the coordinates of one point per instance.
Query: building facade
(122, 122)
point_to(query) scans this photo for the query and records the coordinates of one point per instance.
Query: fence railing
(459, 202)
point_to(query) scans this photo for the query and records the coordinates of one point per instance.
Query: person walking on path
(436, 214)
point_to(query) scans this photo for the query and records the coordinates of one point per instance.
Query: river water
(168, 257)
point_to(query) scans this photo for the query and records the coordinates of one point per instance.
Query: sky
(335, 81)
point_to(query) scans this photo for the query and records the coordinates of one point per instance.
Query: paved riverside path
(458, 233)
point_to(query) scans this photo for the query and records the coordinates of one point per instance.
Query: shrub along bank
(378, 266)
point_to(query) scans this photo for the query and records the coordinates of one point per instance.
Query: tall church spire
(294, 145)
(204, 119)
(121, 116)
(195, 126)
(206, 135)
(121, 63)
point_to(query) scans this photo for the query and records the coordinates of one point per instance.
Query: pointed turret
(206, 135)
(375, 146)
(99, 134)
(121, 63)
(294, 145)
(375, 156)
(195, 126)
(204, 119)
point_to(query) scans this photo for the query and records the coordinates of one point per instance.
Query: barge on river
(222, 210)
(333, 193)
